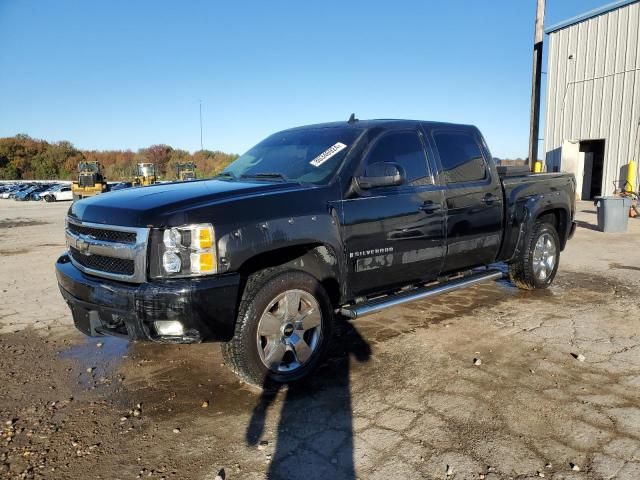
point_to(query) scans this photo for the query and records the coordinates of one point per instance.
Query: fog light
(168, 327)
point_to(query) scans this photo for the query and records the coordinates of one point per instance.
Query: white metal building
(592, 118)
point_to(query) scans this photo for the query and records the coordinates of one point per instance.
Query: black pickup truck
(318, 222)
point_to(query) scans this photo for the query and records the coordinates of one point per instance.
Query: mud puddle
(170, 380)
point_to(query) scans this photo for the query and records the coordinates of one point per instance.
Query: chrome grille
(109, 251)
(101, 234)
(121, 266)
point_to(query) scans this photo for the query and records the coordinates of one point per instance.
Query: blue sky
(128, 74)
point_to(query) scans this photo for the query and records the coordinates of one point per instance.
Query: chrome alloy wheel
(289, 331)
(544, 257)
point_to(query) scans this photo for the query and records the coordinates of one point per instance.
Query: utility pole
(534, 122)
(201, 148)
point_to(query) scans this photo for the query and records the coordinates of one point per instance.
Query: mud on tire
(244, 354)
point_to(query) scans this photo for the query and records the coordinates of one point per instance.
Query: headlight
(185, 251)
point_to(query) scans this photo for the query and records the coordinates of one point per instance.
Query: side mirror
(381, 174)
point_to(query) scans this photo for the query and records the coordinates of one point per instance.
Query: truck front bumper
(205, 307)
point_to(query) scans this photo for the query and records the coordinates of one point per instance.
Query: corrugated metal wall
(596, 93)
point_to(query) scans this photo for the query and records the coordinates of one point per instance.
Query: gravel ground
(490, 382)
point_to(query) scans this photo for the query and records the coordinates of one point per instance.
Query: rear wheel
(537, 266)
(49, 198)
(284, 324)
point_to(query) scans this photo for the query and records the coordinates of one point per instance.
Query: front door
(395, 235)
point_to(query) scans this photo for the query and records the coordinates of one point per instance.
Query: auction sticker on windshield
(327, 154)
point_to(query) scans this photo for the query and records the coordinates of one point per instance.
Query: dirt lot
(398, 398)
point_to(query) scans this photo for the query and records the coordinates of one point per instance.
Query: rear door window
(461, 157)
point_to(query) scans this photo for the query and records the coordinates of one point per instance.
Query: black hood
(168, 204)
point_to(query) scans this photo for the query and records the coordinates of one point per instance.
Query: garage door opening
(592, 156)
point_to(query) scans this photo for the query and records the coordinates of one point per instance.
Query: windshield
(309, 155)
(88, 167)
(146, 170)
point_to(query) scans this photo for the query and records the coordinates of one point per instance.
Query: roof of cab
(384, 123)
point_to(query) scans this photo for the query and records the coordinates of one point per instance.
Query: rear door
(395, 235)
(473, 198)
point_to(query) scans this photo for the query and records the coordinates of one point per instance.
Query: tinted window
(461, 157)
(405, 149)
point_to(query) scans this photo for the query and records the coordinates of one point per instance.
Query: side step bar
(378, 304)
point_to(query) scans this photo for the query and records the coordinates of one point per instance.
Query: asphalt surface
(556, 390)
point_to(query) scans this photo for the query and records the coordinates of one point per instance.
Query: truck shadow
(314, 436)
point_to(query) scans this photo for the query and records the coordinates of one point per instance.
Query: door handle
(430, 207)
(488, 199)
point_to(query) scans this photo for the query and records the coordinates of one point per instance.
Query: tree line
(26, 158)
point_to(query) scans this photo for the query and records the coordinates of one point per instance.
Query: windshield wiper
(267, 175)
(226, 175)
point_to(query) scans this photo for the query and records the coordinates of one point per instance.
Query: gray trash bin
(613, 214)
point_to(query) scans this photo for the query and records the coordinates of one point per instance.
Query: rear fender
(532, 210)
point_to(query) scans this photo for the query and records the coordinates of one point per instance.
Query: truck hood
(168, 204)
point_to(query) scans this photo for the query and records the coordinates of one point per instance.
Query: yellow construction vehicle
(90, 181)
(186, 171)
(145, 175)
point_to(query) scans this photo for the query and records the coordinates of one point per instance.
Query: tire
(264, 328)
(537, 266)
(49, 198)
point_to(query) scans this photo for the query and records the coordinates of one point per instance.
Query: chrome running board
(377, 304)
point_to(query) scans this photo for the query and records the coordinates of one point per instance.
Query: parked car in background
(52, 188)
(34, 193)
(17, 189)
(63, 193)
(6, 188)
(23, 194)
(39, 189)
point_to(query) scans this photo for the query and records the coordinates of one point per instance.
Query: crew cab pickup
(312, 224)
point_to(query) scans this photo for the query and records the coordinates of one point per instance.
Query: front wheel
(537, 266)
(283, 327)
(49, 198)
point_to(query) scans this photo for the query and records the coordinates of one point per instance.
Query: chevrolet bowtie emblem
(82, 246)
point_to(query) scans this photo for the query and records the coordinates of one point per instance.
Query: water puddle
(96, 359)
